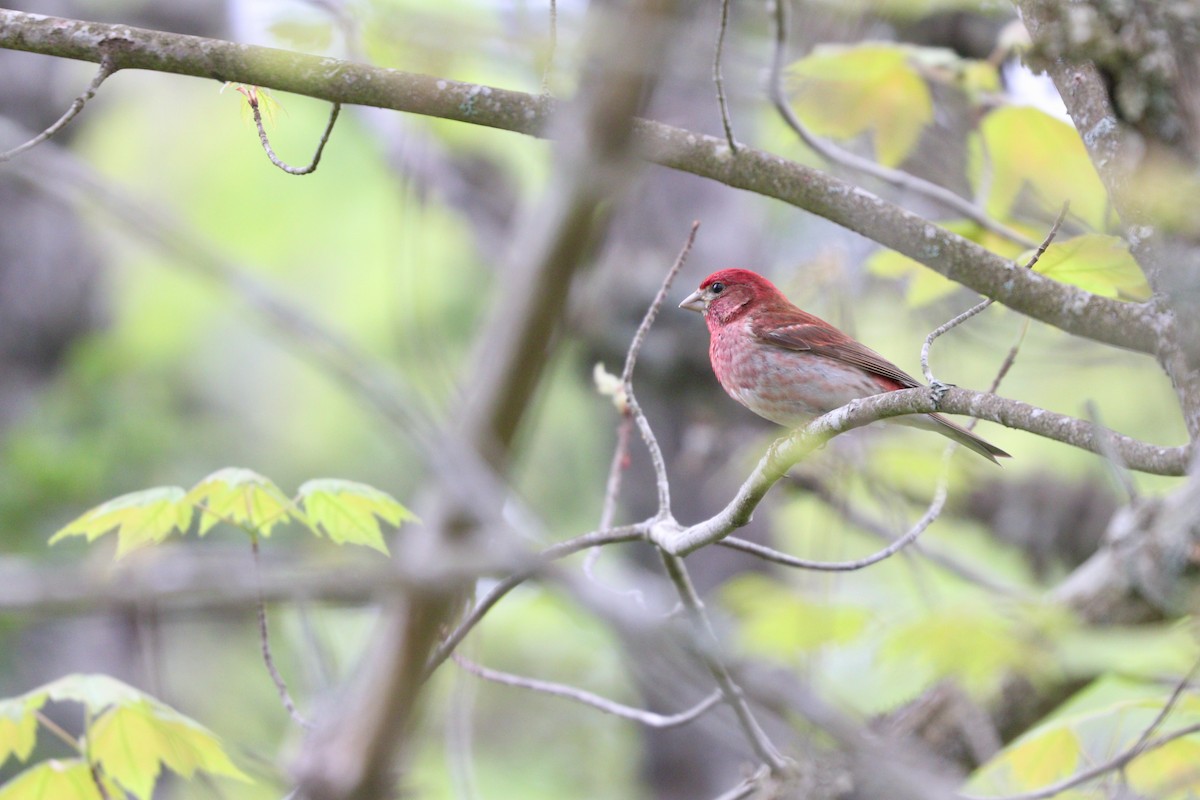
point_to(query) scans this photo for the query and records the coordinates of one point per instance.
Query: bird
(790, 367)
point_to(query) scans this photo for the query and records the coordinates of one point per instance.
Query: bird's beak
(694, 302)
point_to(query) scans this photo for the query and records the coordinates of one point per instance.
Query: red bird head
(726, 295)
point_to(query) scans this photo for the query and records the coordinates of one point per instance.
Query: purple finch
(788, 366)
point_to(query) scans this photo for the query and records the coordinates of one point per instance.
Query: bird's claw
(937, 391)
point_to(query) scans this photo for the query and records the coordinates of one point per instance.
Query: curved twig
(251, 95)
(719, 79)
(647, 718)
(625, 533)
(106, 68)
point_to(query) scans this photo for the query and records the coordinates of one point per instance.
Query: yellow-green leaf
(95, 692)
(779, 623)
(1046, 758)
(140, 518)
(18, 727)
(1100, 264)
(1020, 148)
(843, 92)
(349, 512)
(1172, 765)
(973, 643)
(242, 498)
(133, 742)
(55, 779)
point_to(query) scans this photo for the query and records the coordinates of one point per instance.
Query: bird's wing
(795, 332)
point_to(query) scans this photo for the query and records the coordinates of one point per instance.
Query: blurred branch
(1131, 325)
(706, 643)
(648, 718)
(106, 69)
(190, 580)
(351, 754)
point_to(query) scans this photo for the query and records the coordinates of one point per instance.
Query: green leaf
(95, 692)
(1049, 757)
(242, 498)
(777, 622)
(843, 92)
(55, 779)
(133, 742)
(972, 642)
(349, 512)
(1100, 264)
(1020, 148)
(1095, 724)
(140, 519)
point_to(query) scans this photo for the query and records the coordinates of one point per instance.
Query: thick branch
(1133, 326)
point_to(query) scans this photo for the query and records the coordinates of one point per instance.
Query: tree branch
(647, 718)
(790, 449)
(1134, 326)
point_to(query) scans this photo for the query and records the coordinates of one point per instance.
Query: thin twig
(98, 780)
(1090, 774)
(635, 347)
(836, 155)
(106, 68)
(777, 557)
(251, 95)
(1176, 694)
(612, 490)
(719, 79)
(268, 659)
(648, 718)
(879, 530)
(970, 312)
(706, 644)
(625, 533)
(57, 730)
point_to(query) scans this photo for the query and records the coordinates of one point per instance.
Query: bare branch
(788, 450)
(635, 347)
(707, 644)
(879, 530)
(719, 80)
(777, 557)
(1136, 326)
(836, 155)
(264, 639)
(106, 69)
(628, 533)
(251, 95)
(647, 718)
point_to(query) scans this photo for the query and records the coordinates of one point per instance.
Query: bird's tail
(938, 423)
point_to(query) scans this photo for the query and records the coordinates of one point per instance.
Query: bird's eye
(717, 287)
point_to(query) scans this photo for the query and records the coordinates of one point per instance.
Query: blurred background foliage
(156, 376)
